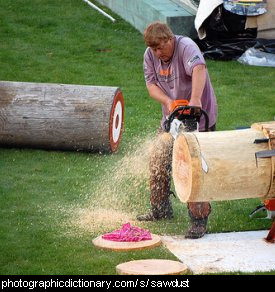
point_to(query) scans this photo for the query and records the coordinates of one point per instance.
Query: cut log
(61, 116)
(222, 165)
(152, 267)
(99, 242)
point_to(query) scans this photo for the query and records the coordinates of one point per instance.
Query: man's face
(164, 51)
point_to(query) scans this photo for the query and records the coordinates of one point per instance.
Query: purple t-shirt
(175, 77)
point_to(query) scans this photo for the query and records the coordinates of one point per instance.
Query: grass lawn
(53, 203)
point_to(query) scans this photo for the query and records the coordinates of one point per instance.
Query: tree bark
(60, 116)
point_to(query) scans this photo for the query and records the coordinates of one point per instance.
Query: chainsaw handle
(192, 113)
(206, 124)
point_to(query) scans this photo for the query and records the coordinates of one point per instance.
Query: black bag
(226, 36)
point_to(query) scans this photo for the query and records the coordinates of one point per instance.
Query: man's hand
(157, 94)
(169, 105)
(195, 102)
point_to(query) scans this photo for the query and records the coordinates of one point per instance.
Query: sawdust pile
(114, 199)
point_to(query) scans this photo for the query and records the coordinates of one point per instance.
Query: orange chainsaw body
(177, 103)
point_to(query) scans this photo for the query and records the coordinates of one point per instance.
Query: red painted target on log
(116, 121)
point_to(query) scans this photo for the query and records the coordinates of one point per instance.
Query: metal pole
(100, 10)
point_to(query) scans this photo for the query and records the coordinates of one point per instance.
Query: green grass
(41, 191)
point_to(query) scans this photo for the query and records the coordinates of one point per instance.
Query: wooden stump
(152, 267)
(99, 242)
(61, 116)
(221, 165)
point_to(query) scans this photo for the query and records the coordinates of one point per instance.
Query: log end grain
(116, 121)
(152, 267)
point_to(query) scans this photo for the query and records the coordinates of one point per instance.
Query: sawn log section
(60, 116)
(221, 165)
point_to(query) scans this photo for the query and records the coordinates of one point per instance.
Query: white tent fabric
(265, 22)
(205, 9)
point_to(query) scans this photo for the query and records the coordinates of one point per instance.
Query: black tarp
(227, 38)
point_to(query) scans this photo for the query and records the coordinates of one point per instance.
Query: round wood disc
(152, 267)
(126, 246)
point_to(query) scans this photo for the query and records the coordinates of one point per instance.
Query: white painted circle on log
(117, 121)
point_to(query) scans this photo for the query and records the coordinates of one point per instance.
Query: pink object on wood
(128, 233)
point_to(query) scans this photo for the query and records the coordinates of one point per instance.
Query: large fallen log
(61, 116)
(224, 165)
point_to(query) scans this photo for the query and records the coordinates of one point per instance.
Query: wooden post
(61, 116)
(221, 165)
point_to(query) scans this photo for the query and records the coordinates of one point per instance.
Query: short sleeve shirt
(175, 76)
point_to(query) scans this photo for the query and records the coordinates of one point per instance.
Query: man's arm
(157, 94)
(198, 84)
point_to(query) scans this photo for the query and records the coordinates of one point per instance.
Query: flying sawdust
(113, 200)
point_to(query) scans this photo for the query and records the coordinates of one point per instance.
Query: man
(174, 68)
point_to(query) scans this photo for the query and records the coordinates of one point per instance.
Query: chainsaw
(269, 206)
(184, 118)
